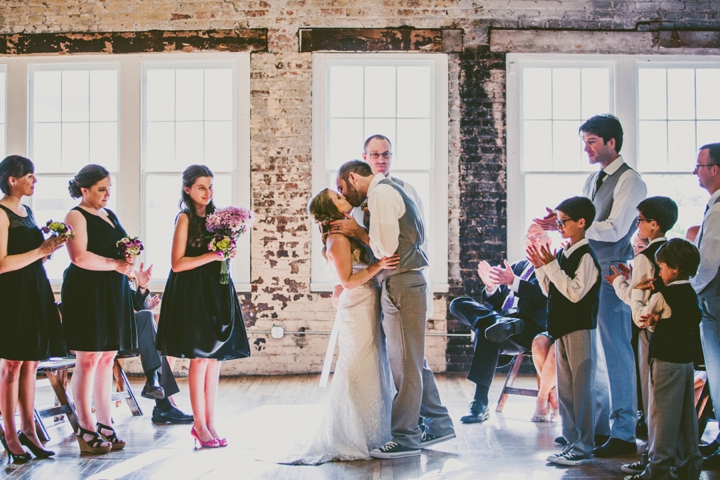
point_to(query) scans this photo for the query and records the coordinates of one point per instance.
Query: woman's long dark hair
(196, 227)
(323, 210)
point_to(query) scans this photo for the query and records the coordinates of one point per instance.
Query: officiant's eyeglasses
(375, 156)
(535, 238)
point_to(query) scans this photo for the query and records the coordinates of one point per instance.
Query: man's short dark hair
(577, 208)
(714, 152)
(355, 166)
(605, 126)
(377, 136)
(663, 210)
(681, 254)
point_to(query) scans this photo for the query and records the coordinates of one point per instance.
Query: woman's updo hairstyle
(88, 176)
(14, 166)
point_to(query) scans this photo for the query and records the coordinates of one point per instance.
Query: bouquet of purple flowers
(59, 229)
(225, 226)
(130, 247)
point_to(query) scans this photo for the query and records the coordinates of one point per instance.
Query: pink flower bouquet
(59, 229)
(225, 226)
(130, 247)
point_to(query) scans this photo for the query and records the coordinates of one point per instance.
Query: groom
(396, 227)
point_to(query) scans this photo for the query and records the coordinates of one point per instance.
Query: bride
(357, 418)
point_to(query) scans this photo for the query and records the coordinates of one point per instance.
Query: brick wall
(281, 132)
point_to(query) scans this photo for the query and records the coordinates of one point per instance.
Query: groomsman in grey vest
(396, 226)
(615, 191)
(707, 281)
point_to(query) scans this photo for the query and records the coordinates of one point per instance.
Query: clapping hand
(152, 302)
(540, 257)
(611, 278)
(143, 276)
(484, 269)
(548, 221)
(648, 320)
(502, 276)
(647, 284)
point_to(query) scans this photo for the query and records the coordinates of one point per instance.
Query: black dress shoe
(504, 329)
(709, 449)
(477, 413)
(712, 461)
(153, 392)
(172, 417)
(615, 447)
(601, 440)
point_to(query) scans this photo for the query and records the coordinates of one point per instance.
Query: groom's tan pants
(404, 309)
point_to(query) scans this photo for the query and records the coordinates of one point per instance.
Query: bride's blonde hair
(323, 211)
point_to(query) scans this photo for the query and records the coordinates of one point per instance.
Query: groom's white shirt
(386, 207)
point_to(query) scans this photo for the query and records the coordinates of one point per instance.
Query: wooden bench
(508, 388)
(56, 371)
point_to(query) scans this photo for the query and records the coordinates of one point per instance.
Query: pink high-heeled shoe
(222, 442)
(212, 443)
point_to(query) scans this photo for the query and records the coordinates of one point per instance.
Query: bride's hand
(389, 263)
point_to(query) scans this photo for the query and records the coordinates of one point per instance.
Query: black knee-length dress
(199, 316)
(97, 306)
(29, 322)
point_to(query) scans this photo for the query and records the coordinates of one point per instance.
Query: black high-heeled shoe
(37, 451)
(17, 458)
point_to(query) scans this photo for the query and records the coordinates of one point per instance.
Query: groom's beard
(353, 197)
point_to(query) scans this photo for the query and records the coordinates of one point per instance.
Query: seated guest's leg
(149, 355)
(472, 313)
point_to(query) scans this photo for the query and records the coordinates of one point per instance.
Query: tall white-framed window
(658, 101)
(3, 110)
(401, 96)
(64, 113)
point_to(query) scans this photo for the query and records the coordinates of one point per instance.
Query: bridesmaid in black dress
(30, 328)
(201, 318)
(97, 306)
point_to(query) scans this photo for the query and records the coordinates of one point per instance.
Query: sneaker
(551, 458)
(174, 416)
(394, 450)
(571, 459)
(430, 440)
(634, 468)
(634, 477)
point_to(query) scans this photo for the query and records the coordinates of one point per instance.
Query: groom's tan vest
(412, 236)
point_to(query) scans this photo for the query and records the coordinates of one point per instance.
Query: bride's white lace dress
(357, 417)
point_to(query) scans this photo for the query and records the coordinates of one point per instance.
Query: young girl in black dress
(97, 306)
(29, 322)
(201, 318)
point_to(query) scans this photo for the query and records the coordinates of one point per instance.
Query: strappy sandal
(542, 418)
(95, 445)
(117, 443)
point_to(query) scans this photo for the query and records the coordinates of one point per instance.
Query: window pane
(75, 146)
(536, 89)
(707, 132)
(567, 147)
(686, 192)
(652, 93)
(414, 149)
(595, 91)
(188, 143)
(219, 151)
(379, 91)
(3, 93)
(537, 146)
(421, 183)
(46, 96)
(681, 93)
(189, 94)
(47, 144)
(159, 95)
(652, 146)
(104, 144)
(103, 95)
(75, 96)
(382, 126)
(708, 93)
(346, 141)
(681, 145)
(566, 93)
(414, 95)
(159, 146)
(219, 94)
(345, 91)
